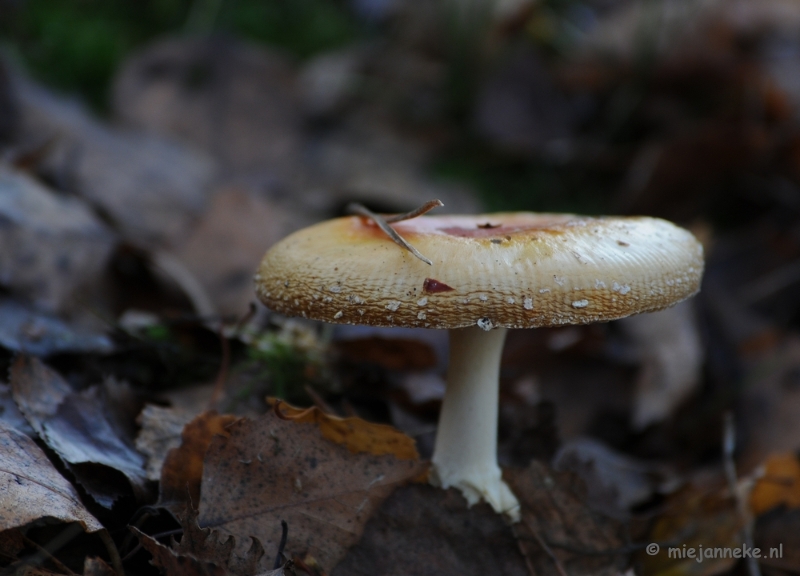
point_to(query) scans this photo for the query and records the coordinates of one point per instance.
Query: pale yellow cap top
(513, 270)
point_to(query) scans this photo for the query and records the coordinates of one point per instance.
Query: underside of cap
(513, 270)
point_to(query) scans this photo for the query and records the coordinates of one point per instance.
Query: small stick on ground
(319, 401)
(282, 545)
(224, 366)
(138, 547)
(728, 447)
(383, 223)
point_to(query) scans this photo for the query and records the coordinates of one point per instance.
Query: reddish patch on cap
(543, 224)
(432, 286)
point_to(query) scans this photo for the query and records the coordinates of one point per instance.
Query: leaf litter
(33, 489)
(84, 428)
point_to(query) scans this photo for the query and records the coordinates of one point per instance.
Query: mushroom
(488, 273)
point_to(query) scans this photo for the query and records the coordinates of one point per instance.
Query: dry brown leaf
(204, 551)
(780, 485)
(555, 517)
(183, 466)
(424, 531)
(694, 517)
(355, 434)
(83, 428)
(32, 489)
(272, 469)
(171, 563)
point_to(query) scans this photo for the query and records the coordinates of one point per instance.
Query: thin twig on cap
(383, 223)
(425, 208)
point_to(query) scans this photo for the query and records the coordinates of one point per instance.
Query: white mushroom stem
(465, 456)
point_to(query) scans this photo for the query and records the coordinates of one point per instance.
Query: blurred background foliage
(78, 45)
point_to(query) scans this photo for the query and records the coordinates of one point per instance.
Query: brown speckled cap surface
(515, 270)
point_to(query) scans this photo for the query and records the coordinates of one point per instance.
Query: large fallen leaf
(778, 486)
(424, 531)
(272, 469)
(205, 552)
(355, 434)
(182, 471)
(559, 531)
(32, 489)
(83, 428)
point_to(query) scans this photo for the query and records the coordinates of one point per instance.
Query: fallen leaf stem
(113, 553)
(138, 546)
(728, 449)
(45, 554)
(424, 209)
(383, 223)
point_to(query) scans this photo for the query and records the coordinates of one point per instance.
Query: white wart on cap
(513, 270)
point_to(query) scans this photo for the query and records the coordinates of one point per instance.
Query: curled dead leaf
(355, 434)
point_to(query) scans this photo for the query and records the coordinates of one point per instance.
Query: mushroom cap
(513, 270)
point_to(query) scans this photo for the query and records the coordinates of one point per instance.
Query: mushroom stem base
(465, 456)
